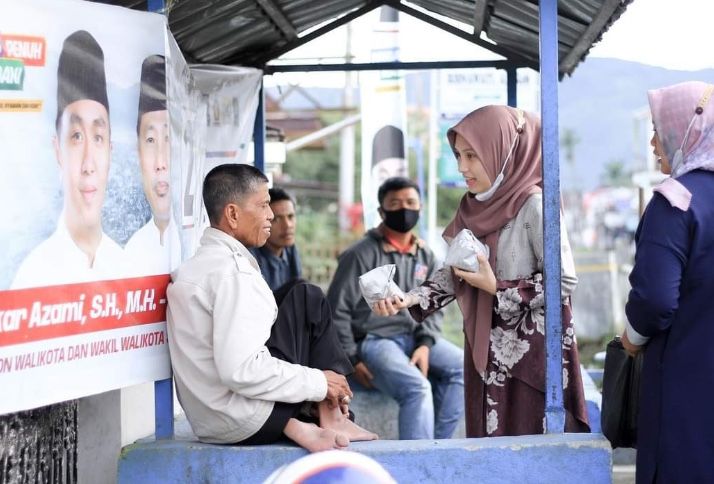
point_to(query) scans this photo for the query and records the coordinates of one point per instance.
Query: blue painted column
(155, 5)
(554, 413)
(163, 389)
(164, 409)
(259, 132)
(512, 86)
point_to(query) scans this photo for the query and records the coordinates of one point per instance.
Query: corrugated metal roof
(253, 32)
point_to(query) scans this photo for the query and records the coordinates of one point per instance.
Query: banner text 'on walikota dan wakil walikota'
(50, 313)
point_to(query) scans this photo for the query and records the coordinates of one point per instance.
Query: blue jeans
(428, 407)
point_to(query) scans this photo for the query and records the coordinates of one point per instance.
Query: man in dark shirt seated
(278, 259)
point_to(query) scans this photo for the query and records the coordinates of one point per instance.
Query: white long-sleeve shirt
(146, 252)
(520, 254)
(220, 313)
(58, 260)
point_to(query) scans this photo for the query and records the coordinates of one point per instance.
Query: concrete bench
(532, 459)
(379, 413)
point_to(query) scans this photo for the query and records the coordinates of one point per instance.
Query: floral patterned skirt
(510, 399)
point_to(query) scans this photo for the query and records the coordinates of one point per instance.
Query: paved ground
(623, 474)
(623, 469)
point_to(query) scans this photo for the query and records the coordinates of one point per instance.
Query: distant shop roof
(254, 32)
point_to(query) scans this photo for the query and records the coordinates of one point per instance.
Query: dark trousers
(303, 333)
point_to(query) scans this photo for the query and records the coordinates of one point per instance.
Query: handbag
(620, 395)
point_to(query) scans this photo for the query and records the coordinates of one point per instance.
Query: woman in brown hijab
(498, 151)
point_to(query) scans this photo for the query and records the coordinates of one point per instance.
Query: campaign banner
(229, 98)
(88, 195)
(461, 91)
(187, 117)
(384, 117)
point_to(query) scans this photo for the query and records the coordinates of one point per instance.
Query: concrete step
(379, 413)
(533, 459)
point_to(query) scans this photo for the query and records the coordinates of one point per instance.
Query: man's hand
(420, 358)
(630, 349)
(392, 305)
(484, 279)
(338, 390)
(363, 375)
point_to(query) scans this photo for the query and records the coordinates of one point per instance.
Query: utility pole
(347, 146)
(431, 190)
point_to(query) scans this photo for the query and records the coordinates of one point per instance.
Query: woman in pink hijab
(498, 150)
(669, 309)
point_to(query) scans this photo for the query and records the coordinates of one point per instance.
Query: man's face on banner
(83, 148)
(388, 168)
(154, 160)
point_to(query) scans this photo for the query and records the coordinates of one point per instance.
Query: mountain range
(597, 104)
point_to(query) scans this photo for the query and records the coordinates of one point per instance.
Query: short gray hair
(229, 183)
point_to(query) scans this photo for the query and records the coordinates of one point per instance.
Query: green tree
(568, 141)
(447, 202)
(615, 174)
(316, 165)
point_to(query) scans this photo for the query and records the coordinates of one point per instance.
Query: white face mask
(488, 194)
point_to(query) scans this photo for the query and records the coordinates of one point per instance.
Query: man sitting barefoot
(247, 371)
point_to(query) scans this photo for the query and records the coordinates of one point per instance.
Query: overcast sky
(675, 34)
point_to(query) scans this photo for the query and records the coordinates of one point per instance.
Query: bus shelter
(551, 36)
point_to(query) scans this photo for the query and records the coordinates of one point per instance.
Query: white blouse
(520, 254)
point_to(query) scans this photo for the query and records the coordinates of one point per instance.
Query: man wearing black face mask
(409, 361)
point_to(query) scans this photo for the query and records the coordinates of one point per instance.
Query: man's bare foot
(334, 419)
(314, 438)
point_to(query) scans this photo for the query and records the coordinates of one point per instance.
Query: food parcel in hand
(378, 284)
(463, 250)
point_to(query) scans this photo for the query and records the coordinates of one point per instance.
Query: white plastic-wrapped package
(378, 284)
(463, 251)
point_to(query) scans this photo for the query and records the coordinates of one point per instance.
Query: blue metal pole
(512, 86)
(155, 5)
(163, 389)
(259, 132)
(164, 409)
(554, 413)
